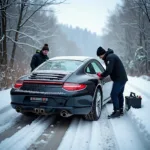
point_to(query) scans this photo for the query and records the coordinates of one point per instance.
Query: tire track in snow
(89, 135)
(5, 109)
(15, 125)
(53, 135)
(26, 136)
(8, 119)
(82, 136)
(5, 117)
(125, 132)
(102, 137)
(68, 138)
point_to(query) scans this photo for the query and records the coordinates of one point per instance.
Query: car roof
(80, 58)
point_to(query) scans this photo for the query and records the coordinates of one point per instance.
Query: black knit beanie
(45, 47)
(100, 51)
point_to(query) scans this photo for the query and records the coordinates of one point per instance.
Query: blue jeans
(117, 94)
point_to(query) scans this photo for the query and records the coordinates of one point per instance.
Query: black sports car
(66, 85)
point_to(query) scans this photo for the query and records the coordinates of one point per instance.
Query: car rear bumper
(55, 104)
(51, 110)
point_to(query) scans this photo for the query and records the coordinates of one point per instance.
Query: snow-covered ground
(131, 131)
(140, 117)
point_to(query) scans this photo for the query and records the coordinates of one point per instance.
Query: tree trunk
(16, 37)
(3, 50)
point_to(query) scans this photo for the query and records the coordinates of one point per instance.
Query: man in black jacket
(40, 57)
(116, 70)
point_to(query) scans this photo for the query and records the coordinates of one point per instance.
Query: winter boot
(114, 114)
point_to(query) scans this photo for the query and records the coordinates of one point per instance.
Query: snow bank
(140, 117)
(4, 98)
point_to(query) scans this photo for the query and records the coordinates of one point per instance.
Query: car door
(106, 82)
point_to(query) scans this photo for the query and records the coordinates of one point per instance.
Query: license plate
(38, 99)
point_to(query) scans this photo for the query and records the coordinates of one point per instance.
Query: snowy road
(50, 132)
(97, 135)
(24, 131)
(81, 135)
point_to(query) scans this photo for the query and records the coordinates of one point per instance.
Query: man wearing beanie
(40, 57)
(116, 70)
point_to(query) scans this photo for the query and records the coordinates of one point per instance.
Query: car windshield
(63, 65)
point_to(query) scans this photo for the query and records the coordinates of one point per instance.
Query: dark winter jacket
(38, 59)
(114, 67)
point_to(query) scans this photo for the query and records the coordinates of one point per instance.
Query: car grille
(49, 76)
(38, 87)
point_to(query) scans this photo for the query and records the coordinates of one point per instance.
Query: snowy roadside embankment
(4, 98)
(140, 117)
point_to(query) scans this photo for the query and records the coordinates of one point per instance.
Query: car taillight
(73, 86)
(18, 84)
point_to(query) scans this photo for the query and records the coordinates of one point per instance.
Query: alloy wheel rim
(98, 103)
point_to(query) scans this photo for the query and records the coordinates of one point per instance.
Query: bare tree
(4, 5)
(19, 29)
(24, 17)
(130, 26)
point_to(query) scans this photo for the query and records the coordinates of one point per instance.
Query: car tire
(96, 108)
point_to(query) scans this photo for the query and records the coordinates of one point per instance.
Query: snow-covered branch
(37, 29)
(20, 43)
(6, 5)
(145, 9)
(2, 38)
(52, 2)
(28, 36)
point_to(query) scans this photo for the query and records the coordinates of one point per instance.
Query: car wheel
(96, 108)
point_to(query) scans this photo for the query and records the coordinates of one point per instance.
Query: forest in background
(128, 32)
(26, 25)
(87, 41)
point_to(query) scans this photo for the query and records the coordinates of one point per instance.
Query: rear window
(63, 65)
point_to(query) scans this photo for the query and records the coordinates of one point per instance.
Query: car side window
(89, 69)
(97, 67)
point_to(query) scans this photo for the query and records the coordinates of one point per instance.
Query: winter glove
(99, 75)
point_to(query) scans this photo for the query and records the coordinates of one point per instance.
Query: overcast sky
(90, 14)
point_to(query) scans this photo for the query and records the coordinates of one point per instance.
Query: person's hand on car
(99, 75)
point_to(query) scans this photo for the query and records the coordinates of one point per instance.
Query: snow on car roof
(80, 58)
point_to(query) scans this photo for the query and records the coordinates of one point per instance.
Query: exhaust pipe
(42, 111)
(18, 109)
(36, 110)
(65, 113)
